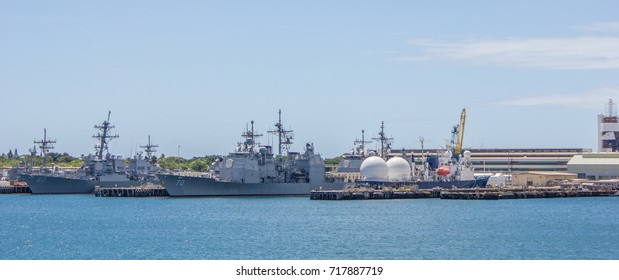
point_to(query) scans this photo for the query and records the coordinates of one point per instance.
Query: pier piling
(150, 191)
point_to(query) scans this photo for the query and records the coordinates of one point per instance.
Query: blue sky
(531, 74)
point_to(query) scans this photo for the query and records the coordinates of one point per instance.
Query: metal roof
(546, 173)
(595, 159)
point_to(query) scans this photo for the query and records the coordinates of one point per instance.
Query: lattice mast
(44, 146)
(385, 142)
(149, 148)
(360, 144)
(250, 138)
(284, 136)
(104, 136)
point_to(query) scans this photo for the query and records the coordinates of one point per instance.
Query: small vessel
(100, 169)
(253, 169)
(450, 168)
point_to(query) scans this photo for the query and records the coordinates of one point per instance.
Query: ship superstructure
(348, 167)
(253, 169)
(45, 146)
(98, 169)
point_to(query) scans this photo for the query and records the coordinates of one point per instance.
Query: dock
(15, 189)
(523, 192)
(466, 194)
(141, 191)
(364, 193)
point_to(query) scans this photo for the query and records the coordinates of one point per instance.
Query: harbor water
(88, 227)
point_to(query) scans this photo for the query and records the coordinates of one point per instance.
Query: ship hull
(45, 184)
(481, 182)
(196, 186)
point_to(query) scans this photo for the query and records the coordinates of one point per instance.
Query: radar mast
(104, 136)
(44, 147)
(360, 144)
(250, 138)
(385, 142)
(284, 136)
(149, 149)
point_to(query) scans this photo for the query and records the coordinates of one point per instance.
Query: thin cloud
(285, 27)
(411, 58)
(589, 100)
(545, 53)
(27, 18)
(377, 52)
(609, 26)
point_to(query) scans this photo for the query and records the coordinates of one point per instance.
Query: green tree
(335, 160)
(199, 164)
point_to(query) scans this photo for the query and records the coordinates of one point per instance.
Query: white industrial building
(595, 166)
(514, 160)
(604, 164)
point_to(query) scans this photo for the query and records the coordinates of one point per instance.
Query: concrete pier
(363, 193)
(142, 191)
(522, 192)
(469, 194)
(15, 189)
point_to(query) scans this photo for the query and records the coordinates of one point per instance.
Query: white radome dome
(374, 169)
(398, 169)
(467, 154)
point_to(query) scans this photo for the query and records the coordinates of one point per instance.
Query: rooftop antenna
(611, 111)
(385, 143)
(284, 136)
(104, 136)
(45, 147)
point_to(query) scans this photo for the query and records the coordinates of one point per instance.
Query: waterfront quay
(523, 192)
(141, 191)
(467, 194)
(366, 193)
(14, 189)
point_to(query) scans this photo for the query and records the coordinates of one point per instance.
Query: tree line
(199, 164)
(58, 159)
(12, 158)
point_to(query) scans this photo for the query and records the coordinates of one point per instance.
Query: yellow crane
(459, 133)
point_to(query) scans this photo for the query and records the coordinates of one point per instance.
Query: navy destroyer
(254, 169)
(100, 169)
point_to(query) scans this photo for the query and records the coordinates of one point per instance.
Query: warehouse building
(595, 166)
(540, 178)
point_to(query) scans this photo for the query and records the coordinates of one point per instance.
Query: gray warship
(100, 169)
(254, 170)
